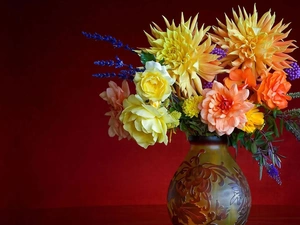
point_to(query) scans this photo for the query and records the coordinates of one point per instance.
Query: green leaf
(248, 145)
(269, 133)
(253, 148)
(275, 112)
(281, 126)
(258, 135)
(270, 121)
(276, 130)
(162, 62)
(260, 142)
(234, 143)
(145, 57)
(240, 136)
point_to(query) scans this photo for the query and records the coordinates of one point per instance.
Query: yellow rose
(154, 83)
(145, 123)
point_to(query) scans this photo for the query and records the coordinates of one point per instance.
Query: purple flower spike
(219, 51)
(116, 43)
(207, 84)
(273, 172)
(294, 72)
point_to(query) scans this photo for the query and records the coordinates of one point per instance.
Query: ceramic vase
(209, 187)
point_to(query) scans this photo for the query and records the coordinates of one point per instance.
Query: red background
(55, 151)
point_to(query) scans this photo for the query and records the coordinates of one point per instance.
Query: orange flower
(273, 90)
(224, 109)
(253, 41)
(240, 77)
(114, 96)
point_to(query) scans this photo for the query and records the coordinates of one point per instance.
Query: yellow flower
(186, 52)
(190, 106)
(255, 120)
(145, 123)
(176, 116)
(154, 83)
(255, 44)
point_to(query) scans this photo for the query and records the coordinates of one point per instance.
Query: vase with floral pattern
(209, 187)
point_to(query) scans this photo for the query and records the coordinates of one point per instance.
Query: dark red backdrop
(55, 151)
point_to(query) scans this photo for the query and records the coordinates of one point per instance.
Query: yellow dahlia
(190, 106)
(255, 120)
(185, 50)
(254, 43)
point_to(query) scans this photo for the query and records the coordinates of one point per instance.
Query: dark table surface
(133, 215)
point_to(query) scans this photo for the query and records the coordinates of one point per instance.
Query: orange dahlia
(223, 109)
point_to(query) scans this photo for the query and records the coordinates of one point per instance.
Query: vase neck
(210, 143)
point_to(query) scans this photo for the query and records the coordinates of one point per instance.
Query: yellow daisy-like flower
(254, 43)
(255, 120)
(185, 50)
(190, 106)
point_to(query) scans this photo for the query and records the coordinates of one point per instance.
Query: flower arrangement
(231, 79)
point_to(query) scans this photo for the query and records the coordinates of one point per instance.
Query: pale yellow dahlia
(253, 43)
(185, 50)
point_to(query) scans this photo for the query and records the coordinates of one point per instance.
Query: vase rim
(212, 139)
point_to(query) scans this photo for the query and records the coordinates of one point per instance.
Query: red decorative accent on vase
(209, 187)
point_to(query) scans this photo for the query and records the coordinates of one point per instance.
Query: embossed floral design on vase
(209, 186)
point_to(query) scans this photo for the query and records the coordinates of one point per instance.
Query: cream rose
(145, 123)
(154, 83)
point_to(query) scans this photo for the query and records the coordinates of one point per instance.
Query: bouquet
(229, 79)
